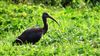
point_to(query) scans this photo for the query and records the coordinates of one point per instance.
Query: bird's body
(33, 35)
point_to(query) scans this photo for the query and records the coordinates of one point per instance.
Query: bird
(33, 35)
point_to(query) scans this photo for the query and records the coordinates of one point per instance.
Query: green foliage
(77, 35)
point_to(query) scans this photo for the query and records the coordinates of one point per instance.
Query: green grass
(77, 35)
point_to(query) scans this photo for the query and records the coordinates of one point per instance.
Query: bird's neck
(45, 28)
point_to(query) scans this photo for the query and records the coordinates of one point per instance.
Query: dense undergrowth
(78, 33)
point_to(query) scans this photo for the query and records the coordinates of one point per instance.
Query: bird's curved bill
(54, 20)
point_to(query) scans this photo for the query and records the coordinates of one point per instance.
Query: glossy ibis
(33, 35)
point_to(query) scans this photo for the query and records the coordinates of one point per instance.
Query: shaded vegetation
(63, 3)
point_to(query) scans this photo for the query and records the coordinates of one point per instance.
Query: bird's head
(46, 15)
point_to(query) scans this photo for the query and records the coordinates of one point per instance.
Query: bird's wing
(32, 31)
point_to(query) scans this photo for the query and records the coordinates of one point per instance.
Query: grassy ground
(77, 35)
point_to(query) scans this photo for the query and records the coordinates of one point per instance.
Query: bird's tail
(17, 41)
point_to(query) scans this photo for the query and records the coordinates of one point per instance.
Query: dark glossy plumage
(33, 35)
